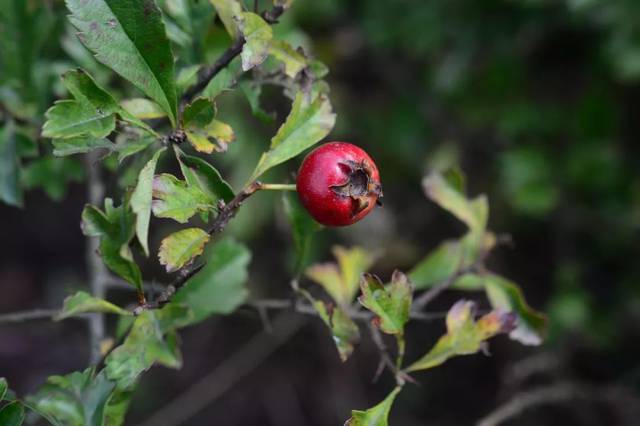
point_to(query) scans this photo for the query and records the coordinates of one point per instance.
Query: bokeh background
(537, 101)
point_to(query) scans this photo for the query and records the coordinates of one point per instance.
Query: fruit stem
(279, 186)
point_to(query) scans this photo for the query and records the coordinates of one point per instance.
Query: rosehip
(338, 183)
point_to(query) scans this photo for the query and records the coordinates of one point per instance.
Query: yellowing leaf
(293, 60)
(258, 35)
(142, 108)
(341, 280)
(465, 336)
(175, 199)
(180, 248)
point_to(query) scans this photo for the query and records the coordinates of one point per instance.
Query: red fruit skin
(322, 170)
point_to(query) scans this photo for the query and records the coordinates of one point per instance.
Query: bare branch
(35, 314)
(206, 74)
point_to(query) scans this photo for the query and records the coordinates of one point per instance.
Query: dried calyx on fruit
(339, 184)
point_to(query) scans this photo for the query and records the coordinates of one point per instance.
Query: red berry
(338, 183)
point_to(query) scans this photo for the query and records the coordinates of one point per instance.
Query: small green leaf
(302, 225)
(177, 200)
(258, 36)
(306, 125)
(198, 113)
(341, 280)
(180, 248)
(293, 60)
(77, 399)
(82, 302)
(3, 387)
(141, 200)
(80, 145)
(374, 416)
(220, 287)
(66, 119)
(228, 11)
(12, 414)
(438, 265)
(129, 37)
(390, 303)
(345, 332)
(133, 146)
(224, 80)
(465, 336)
(10, 190)
(198, 172)
(143, 109)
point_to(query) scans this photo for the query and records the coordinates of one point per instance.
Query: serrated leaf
(391, 303)
(10, 190)
(77, 399)
(258, 36)
(374, 416)
(115, 227)
(303, 227)
(82, 302)
(220, 287)
(180, 248)
(142, 108)
(178, 200)
(228, 11)
(341, 280)
(80, 145)
(345, 332)
(129, 37)
(198, 172)
(293, 60)
(152, 339)
(465, 335)
(306, 125)
(12, 414)
(141, 200)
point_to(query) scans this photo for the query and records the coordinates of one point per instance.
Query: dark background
(536, 100)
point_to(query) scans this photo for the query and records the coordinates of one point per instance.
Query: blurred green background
(538, 101)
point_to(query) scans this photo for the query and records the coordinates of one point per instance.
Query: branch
(226, 213)
(35, 314)
(206, 74)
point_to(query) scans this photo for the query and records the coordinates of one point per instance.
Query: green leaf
(177, 200)
(10, 190)
(221, 82)
(345, 332)
(438, 265)
(198, 113)
(79, 145)
(198, 172)
(12, 414)
(52, 174)
(133, 146)
(66, 119)
(302, 225)
(465, 336)
(374, 416)
(202, 138)
(306, 125)
(115, 227)
(228, 11)
(390, 303)
(293, 60)
(341, 280)
(504, 294)
(219, 288)
(258, 35)
(117, 407)
(77, 399)
(141, 200)
(82, 302)
(3, 387)
(152, 339)
(252, 92)
(142, 108)
(129, 37)
(180, 248)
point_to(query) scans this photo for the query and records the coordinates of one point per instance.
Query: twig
(35, 314)
(227, 212)
(96, 269)
(227, 374)
(385, 359)
(206, 74)
(428, 296)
